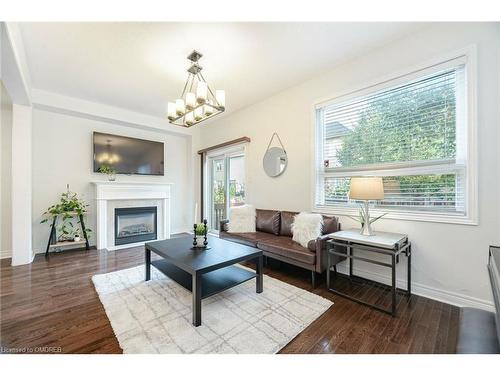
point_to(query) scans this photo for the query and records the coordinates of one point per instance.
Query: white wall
(449, 260)
(5, 175)
(62, 146)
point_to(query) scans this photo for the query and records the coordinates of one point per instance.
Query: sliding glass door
(217, 199)
(226, 185)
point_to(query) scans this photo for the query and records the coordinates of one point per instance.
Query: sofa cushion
(286, 247)
(268, 221)
(287, 218)
(249, 239)
(330, 224)
(241, 238)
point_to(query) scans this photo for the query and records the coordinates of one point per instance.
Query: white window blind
(411, 133)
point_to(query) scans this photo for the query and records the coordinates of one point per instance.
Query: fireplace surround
(111, 196)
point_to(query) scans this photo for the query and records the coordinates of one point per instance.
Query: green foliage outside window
(379, 138)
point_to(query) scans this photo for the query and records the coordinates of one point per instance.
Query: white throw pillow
(306, 227)
(241, 219)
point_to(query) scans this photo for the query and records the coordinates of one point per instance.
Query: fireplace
(135, 224)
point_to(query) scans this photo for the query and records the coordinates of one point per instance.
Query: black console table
(390, 244)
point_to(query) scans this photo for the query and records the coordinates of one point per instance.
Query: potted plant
(200, 232)
(109, 171)
(76, 235)
(69, 206)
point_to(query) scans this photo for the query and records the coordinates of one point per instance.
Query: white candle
(179, 107)
(171, 114)
(201, 92)
(198, 113)
(220, 96)
(190, 100)
(189, 118)
(208, 109)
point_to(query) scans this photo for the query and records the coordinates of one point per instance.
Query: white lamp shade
(220, 96)
(171, 113)
(201, 92)
(208, 109)
(190, 100)
(198, 113)
(189, 118)
(366, 188)
(179, 107)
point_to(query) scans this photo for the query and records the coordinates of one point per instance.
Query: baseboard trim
(5, 254)
(451, 298)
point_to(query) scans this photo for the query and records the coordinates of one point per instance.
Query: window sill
(400, 215)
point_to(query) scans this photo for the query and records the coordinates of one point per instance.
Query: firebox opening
(135, 224)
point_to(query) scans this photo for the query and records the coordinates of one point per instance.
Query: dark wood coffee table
(204, 272)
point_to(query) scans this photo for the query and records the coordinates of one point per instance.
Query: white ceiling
(141, 66)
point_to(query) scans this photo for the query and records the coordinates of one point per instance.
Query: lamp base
(366, 228)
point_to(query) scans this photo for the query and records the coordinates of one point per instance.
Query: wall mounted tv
(128, 155)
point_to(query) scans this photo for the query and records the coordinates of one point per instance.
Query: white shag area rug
(155, 316)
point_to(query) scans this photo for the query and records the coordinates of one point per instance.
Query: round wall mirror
(275, 161)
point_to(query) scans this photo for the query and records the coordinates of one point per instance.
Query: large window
(411, 131)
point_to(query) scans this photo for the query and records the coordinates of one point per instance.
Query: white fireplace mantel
(128, 192)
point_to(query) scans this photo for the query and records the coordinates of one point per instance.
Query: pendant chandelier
(197, 102)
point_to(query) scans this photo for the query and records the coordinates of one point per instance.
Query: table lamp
(366, 189)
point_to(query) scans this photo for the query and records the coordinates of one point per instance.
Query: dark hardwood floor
(53, 303)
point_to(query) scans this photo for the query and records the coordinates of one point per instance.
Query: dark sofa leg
(313, 279)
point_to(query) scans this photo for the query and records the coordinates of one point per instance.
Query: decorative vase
(76, 238)
(111, 176)
(199, 241)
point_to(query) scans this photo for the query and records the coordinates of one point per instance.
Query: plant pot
(76, 238)
(111, 176)
(199, 241)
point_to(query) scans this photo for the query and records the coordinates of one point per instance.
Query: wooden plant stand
(52, 243)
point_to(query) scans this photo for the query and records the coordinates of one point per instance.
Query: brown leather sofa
(274, 237)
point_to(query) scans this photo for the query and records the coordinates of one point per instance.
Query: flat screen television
(128, 155)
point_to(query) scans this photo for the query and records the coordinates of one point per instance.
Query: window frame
(469, 57)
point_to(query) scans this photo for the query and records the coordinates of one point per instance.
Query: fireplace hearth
(135, 224)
